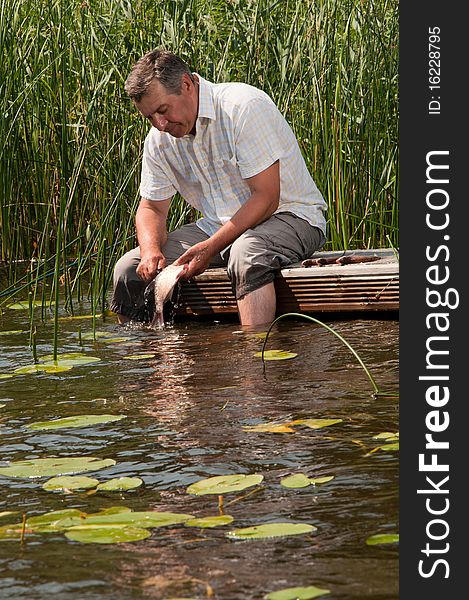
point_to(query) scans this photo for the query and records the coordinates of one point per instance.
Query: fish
(162, 286)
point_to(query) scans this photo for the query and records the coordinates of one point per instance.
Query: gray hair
(159, 64)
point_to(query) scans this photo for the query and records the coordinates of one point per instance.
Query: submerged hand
(197, 259)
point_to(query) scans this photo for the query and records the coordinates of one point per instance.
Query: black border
(420, 133)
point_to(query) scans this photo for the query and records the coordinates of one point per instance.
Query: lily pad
(76, 421)
(139, 356)
(48, 467)
(42, 368)
(383, 538)
(297, 593)
(106, 535)
(24, 304)
(70, 359)
(276, 354)
(120, 484)
(270, 428)
(7, 513)
(69, 482)
(320, 480)
(216, 521)
(270, 530)
(11, 332)
(300, 480)
(6, 375)
(223, 484)
(49, 521)
(388, 436)
(141, 519)
(389, 447)
(316, 423)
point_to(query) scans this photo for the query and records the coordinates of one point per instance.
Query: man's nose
(159, 122)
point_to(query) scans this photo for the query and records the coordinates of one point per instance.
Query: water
(185, 411)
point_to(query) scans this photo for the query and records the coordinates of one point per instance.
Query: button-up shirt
(239, 133)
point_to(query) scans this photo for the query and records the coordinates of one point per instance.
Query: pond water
(185, 410)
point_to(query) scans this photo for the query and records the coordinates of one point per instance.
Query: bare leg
(258, 307)
(122, 319)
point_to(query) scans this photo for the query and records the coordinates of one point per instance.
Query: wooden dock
(331, 288)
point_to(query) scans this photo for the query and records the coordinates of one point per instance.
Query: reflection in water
(186, 409)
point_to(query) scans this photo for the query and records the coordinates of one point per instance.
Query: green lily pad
(270, 530)
(216, 521)
(320, 480)
(270, 428)
(69, 482)
(6, 375)
(120, 484)
(11, 532)
(390, 447)
(383, 538)
(24, 304)
(49, 521)
(276, 354)
(139, 356)
(388, 436)
(297, 593)
(298, 480)
(70, 359)
(57, 520)
(11, 332)
(142, 519)
(7, 513)
(117, 340)
(48, 467)
(223, 484)
(316, 423)
(106, 535)
(42, 368)
(76, 421)
(113, 510)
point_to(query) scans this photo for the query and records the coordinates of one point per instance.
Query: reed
(72, 142)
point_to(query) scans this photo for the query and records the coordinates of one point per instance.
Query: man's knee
(250, 264)
(126, 267)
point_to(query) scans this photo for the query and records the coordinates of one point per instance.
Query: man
(231, 155)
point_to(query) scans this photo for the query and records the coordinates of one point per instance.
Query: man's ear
(186, 83)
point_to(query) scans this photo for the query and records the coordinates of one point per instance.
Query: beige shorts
(251, 261)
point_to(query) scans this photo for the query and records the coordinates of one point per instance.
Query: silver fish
(162, 287)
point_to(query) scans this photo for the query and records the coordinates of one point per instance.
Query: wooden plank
(369, 286)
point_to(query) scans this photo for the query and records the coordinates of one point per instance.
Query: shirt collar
(206, 107)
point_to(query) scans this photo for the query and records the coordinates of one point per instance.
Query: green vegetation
(71, 140)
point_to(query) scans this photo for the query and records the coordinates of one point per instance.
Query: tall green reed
(72, 142)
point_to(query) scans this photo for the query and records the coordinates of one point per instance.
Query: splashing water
(164, 284)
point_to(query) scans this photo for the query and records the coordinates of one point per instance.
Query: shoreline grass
(72, 142)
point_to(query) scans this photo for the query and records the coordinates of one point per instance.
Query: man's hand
(150, 265)
(197, 259)
(150, 221)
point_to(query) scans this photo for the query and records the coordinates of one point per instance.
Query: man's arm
(150, 222)
(265, 194)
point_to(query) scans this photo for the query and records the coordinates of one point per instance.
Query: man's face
(172, 113)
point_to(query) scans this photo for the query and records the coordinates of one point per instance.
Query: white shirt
(239, 133)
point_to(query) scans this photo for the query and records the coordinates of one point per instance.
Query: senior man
(231, 155)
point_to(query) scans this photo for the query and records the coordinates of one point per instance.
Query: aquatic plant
(341, 338)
